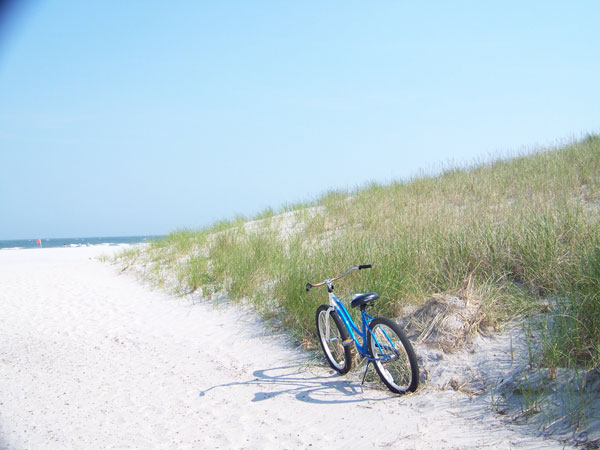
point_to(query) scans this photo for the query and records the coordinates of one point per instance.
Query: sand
(90, 358)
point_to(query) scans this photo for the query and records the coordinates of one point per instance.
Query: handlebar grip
(308, 286)
(364, 266)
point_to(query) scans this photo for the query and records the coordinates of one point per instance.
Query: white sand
(92, 359)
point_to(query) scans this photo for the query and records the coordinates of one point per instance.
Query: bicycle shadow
(306, 387)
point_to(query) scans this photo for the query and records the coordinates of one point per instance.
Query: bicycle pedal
(347, 342)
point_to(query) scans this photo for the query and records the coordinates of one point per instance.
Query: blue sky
(128, 118)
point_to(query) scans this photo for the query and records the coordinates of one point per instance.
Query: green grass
(509, 232)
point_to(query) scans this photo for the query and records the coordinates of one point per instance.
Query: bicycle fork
(346, 342)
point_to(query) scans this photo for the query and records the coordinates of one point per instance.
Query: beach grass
(520, 235)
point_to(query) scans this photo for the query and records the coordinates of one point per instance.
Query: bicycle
(383, 342)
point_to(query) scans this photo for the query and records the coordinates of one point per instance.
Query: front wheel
(393, 356)
(334, 339)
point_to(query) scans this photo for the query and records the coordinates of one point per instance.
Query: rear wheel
(332, 334)
(394, 357)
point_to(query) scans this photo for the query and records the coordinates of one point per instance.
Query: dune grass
(516, 234)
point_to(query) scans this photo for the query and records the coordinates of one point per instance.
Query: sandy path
(91, 359)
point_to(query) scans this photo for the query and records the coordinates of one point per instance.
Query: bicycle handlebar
(328, 281)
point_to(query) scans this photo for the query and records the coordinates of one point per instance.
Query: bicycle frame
(352, 328)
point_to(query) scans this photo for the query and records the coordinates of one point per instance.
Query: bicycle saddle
(363, 299)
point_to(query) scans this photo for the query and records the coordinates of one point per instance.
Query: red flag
(38, 242)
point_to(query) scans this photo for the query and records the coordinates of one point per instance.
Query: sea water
(75, 242)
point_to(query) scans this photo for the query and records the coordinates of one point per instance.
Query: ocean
(75, 242)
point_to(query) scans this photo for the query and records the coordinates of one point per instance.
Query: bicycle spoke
(329, 327)
(391, 359)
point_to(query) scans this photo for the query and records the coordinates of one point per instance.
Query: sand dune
(92, 359)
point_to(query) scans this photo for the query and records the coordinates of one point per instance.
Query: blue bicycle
(383, 342)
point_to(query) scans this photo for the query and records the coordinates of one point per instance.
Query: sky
(137, 118)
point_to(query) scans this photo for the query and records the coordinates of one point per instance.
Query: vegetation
(519, 235)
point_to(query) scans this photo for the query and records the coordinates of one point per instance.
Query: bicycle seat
(363, 299)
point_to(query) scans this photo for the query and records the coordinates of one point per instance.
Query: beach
(91, 358)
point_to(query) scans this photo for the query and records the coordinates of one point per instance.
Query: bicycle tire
(394, 356)
(338, 355)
